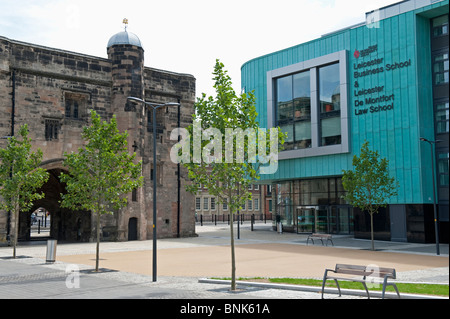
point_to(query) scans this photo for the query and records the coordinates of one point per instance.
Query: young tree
(20, 177)
(369, 186)
(101, 173)
(224, 168)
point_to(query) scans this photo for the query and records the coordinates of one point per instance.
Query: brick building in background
(53, 90)
(207, 205)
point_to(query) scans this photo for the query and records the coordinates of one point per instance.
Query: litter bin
(51, 250)
(279, 225)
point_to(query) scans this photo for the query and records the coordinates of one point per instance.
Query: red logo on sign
(356, 54)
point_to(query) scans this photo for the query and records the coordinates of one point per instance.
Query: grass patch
(408, 288)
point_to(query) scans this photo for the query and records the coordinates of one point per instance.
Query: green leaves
(101, 172)
(369, 186)
(20, 175)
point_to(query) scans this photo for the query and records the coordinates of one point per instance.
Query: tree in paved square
(101, 173)
(226, 168)
(368, 186)
(20, 177)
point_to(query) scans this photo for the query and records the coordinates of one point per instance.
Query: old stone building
(53, 90)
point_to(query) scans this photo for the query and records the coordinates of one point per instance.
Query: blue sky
(179, 35)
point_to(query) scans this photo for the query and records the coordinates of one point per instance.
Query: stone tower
(126, 54)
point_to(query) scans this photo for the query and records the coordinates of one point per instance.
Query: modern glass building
(385, 81)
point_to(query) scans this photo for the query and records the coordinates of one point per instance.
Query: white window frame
(199, 203)
(256, 204)
(206, 201)
(225, 205)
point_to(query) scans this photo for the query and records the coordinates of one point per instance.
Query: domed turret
(127, 75)
(124, 37)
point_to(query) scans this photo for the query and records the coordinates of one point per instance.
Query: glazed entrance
(324, 219)
(314, 206)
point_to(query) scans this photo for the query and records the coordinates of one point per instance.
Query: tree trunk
(97, 256)
(233, 257)
(16, 227)
(371, 230)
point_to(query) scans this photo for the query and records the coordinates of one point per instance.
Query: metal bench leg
(339, 288)
(324, 281)
(385, 284)
(396, 290)
(367, 291)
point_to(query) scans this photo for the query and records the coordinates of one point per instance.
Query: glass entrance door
(342, 220)
(305, 220)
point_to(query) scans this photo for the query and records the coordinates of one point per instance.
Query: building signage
(366, 100)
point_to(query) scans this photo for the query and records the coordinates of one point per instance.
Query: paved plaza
(185, 264)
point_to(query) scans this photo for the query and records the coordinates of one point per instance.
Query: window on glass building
(442, 117)
(294, 109)
(330, 105)
(441, 67)
(440, 26)
(443, 162)
(308, 102)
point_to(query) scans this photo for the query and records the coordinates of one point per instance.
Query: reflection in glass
(330, 105)
(440, 26)
(284, 98)
(441, 68)
(294, 109)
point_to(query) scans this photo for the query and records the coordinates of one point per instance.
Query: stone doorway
(133, 229)
(63, 224)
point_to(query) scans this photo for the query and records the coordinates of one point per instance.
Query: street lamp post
(154, 106)
(436, 227)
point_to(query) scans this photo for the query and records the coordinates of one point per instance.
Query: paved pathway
(127, 266)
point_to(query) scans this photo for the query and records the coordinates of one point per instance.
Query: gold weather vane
(125, 21)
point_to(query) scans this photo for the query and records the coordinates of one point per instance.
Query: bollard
(252, 221)
(51, 250)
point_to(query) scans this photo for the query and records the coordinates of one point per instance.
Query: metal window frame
(316, 150)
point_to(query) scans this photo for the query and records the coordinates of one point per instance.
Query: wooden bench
(360, 274)
(321, 237)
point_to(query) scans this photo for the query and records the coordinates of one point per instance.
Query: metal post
(433, 158)
(154, 107)
(434, 202)
(178, 175)
(154, 192)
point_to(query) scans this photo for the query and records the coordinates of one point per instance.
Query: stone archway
(65, 224)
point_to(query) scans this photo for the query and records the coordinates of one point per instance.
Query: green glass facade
(384, 81)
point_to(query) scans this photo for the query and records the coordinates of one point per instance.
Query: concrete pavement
(182, 262)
